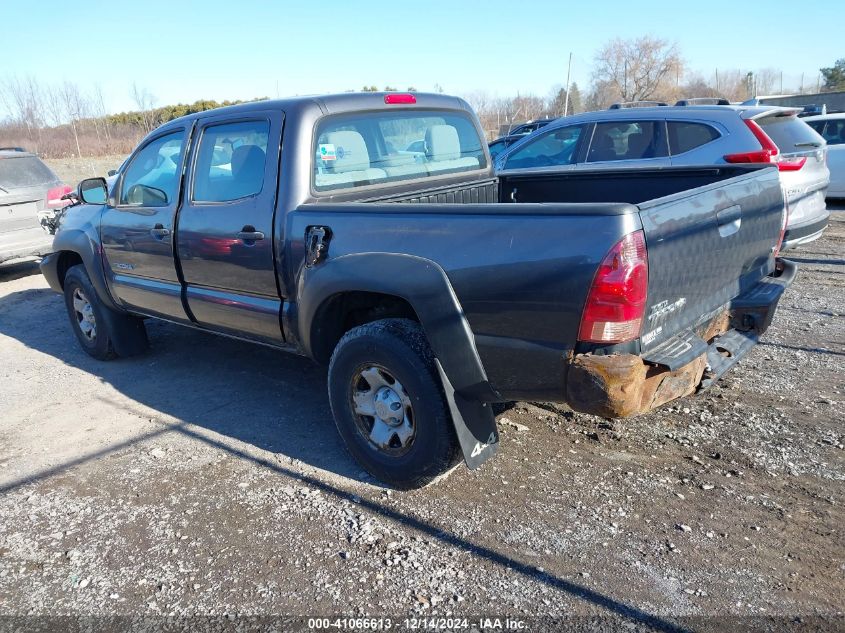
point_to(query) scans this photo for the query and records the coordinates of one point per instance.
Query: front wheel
(388, 403)
(102, 332)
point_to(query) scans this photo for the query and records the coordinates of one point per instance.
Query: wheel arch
(390, 285)
(78, 247)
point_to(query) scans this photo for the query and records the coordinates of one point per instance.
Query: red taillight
(761, 156)
(793, 163)
(393, 99)
(54, 197)
(768, 154)
(616, 302)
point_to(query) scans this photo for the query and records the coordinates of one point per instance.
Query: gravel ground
(206, 478)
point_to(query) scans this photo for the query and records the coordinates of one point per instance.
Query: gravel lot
(206, 478)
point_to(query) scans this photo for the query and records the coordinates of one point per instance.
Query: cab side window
(556, 147)
(231, 161)
(627, 140)
(152, 178)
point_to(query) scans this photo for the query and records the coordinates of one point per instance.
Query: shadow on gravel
(813, 350)
(272, 400)
(817, 260)
(10, 272)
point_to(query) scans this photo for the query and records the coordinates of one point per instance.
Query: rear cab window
(789, 133)
(24, 171)
(374, 148)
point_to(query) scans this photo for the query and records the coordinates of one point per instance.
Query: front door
(225, 226)
(138, 228)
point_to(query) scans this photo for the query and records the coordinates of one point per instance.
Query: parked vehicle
(501, 144)
(691, 135)
(431, 287)
(30, 195)
(831, 127)
(529, 126)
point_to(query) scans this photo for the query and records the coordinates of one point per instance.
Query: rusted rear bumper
(624, 385)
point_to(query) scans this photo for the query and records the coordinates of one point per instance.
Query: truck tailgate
(706, 246)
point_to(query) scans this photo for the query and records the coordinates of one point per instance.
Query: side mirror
(93, 191)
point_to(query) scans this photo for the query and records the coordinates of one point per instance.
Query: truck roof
(335, 103)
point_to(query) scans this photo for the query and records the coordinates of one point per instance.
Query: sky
(181, 51)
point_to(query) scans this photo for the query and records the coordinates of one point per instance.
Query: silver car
(30, 196)
(690, 135)
(832, 129)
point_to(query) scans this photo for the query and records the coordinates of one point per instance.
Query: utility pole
(781, 82)
(568, 84)
(801, 89)
(717, 82)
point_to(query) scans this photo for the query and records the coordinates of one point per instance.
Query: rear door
(627, 143)
(225, 226)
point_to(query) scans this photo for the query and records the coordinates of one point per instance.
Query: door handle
(249, 234)
(159, 232)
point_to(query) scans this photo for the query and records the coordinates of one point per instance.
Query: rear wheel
(388, 403)
(102, 332)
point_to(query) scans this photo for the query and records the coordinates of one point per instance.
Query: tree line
(64, 120)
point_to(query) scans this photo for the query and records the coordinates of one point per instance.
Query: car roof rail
(12, 149)
(637, 104)
(702, 101)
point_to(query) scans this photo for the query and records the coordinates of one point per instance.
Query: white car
(832, 128)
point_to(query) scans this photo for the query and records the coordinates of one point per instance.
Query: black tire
(114, 334)
(399, 347)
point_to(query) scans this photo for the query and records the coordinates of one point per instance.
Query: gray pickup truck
(431, 288)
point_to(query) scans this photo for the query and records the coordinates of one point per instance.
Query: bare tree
(767, 81)
(145, 102)
(23, 100)
(76, 108)
(638, 69)
(98, 107)
(602, 95)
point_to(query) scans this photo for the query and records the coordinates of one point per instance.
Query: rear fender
(425, 286)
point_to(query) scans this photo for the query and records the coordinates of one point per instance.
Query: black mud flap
(475, 424)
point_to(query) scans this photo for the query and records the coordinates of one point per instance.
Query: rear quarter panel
(520, 272)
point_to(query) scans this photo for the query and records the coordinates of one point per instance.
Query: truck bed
(521, 271)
